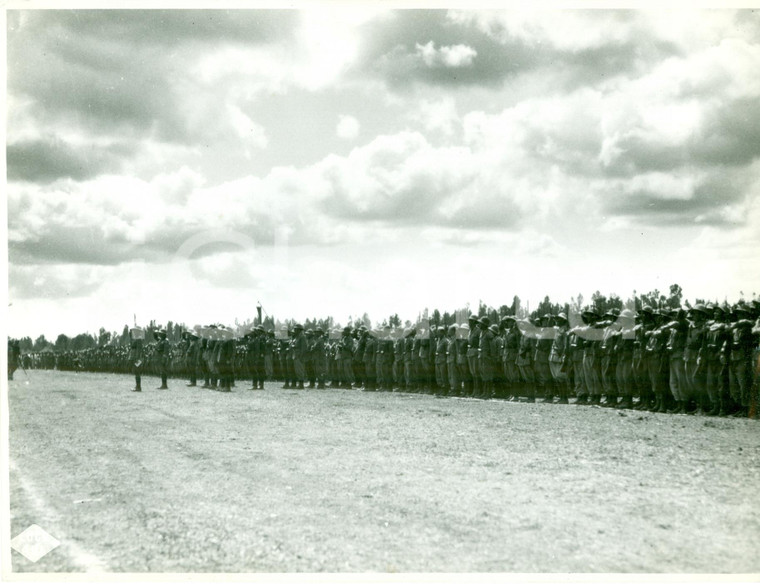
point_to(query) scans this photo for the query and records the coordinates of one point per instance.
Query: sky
(186, 165)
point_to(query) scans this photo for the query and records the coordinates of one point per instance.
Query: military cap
(561, 316)
(452, 328)
(626, 313)
(485, 321)
(260, 327)
(506, 319)
(741, 307)
(464, 327)
(494, 329)
(161, 332)
(699, 308)
(309, 332)
(298, 327)
(319, 331)
(347, 330)
(646, 309)
(472, 318)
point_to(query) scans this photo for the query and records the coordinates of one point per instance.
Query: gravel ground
(192, 480)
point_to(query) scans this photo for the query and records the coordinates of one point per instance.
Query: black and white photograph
(374, 290)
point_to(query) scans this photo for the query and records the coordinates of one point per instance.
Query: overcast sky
(183, 165)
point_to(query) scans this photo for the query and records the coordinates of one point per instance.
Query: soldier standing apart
(136, 335)
(162, 357)
(14, 354)
(193, 351)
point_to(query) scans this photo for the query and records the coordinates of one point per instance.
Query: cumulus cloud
(130, 137)
(49, 158)
(347, 128)
(453, 56)
(440, 115)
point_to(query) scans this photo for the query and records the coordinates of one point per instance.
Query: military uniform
(441, 372)
(678, 329)
(451, 362)
(398, 362)
(14, 354)
(657, 360)
(558, 358)
(740, 347)
(486, 359)
(136, 356)
(319, 357)
(409, 373)
(368, 349)
(300, 349)
(162, 358)
(463, 368)
(384, 359)
(473, 343)
(346, 349)
(524, 364)
(624, 341)
(694, 359)
(541, 368)
(608, 359)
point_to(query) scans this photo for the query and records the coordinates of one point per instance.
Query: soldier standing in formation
(701, 360)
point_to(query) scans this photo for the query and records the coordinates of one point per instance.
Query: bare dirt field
(192, 480)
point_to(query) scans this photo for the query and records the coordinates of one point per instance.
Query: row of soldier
(699, 360)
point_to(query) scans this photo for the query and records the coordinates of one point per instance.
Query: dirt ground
(192, 480)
